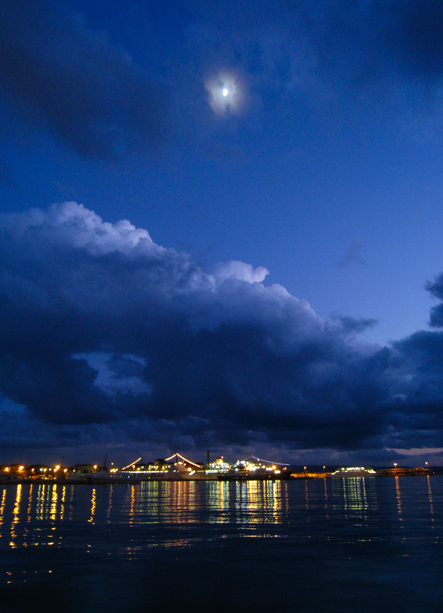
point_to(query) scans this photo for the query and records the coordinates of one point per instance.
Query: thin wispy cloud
(353, 255)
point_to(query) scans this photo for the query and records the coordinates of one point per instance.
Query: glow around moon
(225, 93)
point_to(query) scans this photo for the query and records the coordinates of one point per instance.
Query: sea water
(368, 545)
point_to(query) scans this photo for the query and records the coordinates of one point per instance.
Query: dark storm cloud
(88, 92)
(101, 325)
(85, 90)
(436, 290)
(420, 362)
(415, 33)
(372, 41)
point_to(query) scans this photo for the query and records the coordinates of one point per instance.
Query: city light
(178, 468)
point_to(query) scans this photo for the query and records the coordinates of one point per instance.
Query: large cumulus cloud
(100, 325)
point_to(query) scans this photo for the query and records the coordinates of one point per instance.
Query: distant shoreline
(178, 479)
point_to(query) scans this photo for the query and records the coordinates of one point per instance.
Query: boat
(354, 471)
(104, 477)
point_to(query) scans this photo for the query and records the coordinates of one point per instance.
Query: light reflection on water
(378, 532)
(245, 506)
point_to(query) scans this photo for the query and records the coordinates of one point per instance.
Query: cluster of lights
(218, 466)
(180, 464)
(176, 462)
(42, 472)
(355, 469)
(252, 465)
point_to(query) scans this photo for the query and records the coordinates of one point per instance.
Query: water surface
(327, 545)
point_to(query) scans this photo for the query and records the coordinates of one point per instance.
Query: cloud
(435, 288)
(301, 58)
(415, 35)
(239, 270)
(103, 326)
(74, 81)
(322, 57)
(225, 93)
(369, 40)
(352, 256)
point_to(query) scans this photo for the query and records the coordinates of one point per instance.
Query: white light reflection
(397, 492)
(431, 505)
(326, 498)
(108, 512)
(355, 498)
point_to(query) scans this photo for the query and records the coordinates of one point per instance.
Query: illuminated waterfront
(314, 545)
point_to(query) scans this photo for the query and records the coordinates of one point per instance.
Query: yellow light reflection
(256, 502)
(15, 516)
(132, 507)
(53, 510)
(276, 502)
(62, 505)
(29, 503)
(16, 509)
(93, 505)
(41, 497)
(2, 506)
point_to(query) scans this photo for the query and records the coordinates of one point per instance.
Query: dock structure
(179, 468)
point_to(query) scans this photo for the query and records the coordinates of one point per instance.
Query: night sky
(221, 228)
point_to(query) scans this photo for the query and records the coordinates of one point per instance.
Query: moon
(226, 93)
